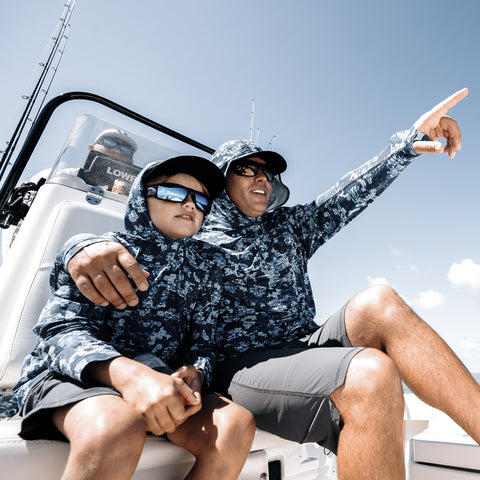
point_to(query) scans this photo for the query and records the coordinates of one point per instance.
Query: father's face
(250, 194)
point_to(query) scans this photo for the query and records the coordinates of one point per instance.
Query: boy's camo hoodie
(175, 319)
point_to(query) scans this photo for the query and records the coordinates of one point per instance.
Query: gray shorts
(288, 387)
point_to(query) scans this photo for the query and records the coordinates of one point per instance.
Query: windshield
(100, 153)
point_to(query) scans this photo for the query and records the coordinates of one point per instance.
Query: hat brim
(202, 169)
(275, 162)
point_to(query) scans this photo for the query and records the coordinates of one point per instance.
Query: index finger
(188, 395)
(443, 107)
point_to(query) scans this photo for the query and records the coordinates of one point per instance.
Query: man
(110, 162)
(116, 144)
(347, 397)
(111, 148)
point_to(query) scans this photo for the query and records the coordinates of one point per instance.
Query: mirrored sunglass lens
(247, 170)
(202, 202)
(252, 170)
(108, 142)
(179, 194)
(126, 149)
(112, 143)
(172, 194)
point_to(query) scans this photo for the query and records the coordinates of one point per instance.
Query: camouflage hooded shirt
(267, 297)
(175, 319)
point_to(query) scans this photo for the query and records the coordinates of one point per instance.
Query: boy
(102, 378)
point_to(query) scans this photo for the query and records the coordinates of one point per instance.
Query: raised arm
(359, 188)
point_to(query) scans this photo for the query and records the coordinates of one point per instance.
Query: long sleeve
(268, 298)
(335, 208)
(68, 331)
(203, 325)
(67, 340)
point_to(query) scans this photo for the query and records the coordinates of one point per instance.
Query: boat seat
(57, 213)
(443, 451)
(160, 459)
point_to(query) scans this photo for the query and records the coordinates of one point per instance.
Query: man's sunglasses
(110, 142)
(172, 192)
(249, 168)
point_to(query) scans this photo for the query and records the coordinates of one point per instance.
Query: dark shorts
(288, 388)
(56, 391)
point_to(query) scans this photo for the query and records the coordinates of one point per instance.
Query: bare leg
(220, 436)
(100, 447)
(371, 405)
(379, 318)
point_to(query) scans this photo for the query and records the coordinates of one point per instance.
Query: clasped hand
(164, 401)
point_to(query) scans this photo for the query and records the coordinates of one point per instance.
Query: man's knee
(375, 299)
(373, 315)
(372, 382)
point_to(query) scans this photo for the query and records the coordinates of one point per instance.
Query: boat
(79, 193)
(52, 189)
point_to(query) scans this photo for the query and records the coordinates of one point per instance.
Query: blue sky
(332, 81)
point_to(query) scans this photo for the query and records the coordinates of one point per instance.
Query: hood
(137, 219)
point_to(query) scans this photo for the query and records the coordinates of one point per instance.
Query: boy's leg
(219, 435)
(100, 447)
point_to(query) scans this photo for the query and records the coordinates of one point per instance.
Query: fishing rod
(48, 67)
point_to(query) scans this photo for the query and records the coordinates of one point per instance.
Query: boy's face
(176, 220)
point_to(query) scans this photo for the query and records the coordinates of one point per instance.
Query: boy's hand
(100, 271)
(160, 399)
(191, 376)
(156, 396)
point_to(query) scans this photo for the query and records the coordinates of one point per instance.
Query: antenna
(251, 118)
(271, 143)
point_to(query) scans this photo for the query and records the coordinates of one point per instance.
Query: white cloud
(468, 345)
(428, 299)
(465, 274)
(377, 281)
(395, 251)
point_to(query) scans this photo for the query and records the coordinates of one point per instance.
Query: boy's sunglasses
(249, 168)
(110, 142)
(172, 192)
